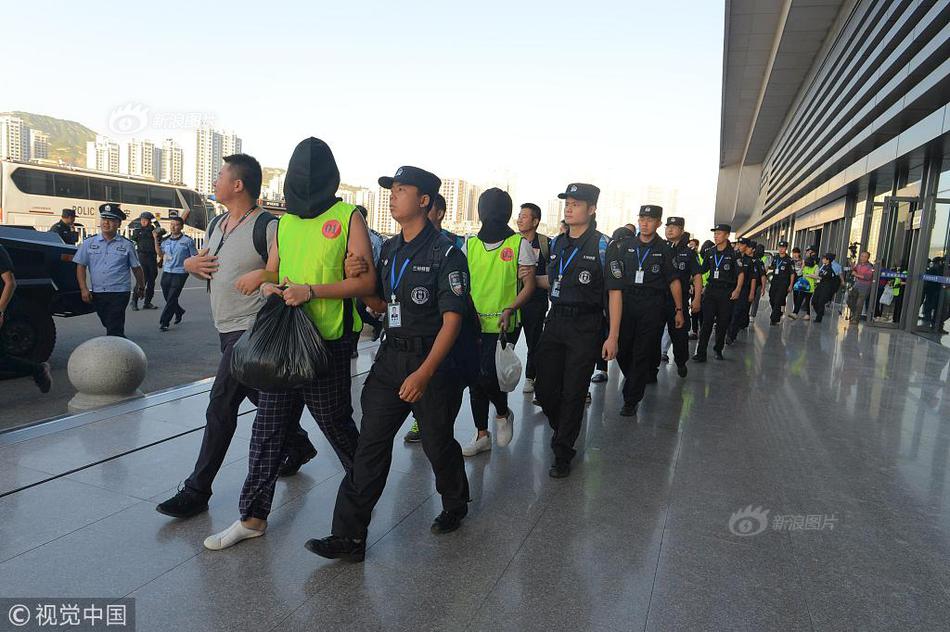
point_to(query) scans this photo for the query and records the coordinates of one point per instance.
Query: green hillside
(67, 139)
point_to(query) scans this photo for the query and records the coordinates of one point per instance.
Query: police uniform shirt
(627, 257)
(175, 251)
(431, 278)
(781, 267)
(109, 262)
(144, 239)
(66, 233)
(579, 263)
(727, 262)
(685, 263)
(751, 270)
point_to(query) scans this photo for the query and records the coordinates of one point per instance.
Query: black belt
(575, 310)
(721, 286)
(412, 344)
(645, 291)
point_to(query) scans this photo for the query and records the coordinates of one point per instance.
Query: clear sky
(621, 93)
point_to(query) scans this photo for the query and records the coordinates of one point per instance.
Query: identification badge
(715, 274)
(556, 289)
(394, 314)
(639, 277)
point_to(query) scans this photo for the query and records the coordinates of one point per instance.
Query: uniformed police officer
(146, 246)
(725, 282)
(422, 290)
(686, 269)
(571, 340)
(782, 274)
(64, 227)
(109, 256)
(750, 285)
(642, 268)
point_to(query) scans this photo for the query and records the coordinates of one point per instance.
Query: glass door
(895, 246)
(934, 309)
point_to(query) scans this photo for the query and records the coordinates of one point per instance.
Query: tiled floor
(835, 439)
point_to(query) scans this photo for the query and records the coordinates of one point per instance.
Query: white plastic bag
(887, 297)
(507, 365)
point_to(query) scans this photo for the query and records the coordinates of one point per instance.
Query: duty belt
(575, 310)
(409, 343)
(645, 291)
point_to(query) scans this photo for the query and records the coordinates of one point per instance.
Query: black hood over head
(312, 179)
(494, 211)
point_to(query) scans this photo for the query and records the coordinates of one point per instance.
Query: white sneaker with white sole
(231, 536)
(478, 444)
(504, 429)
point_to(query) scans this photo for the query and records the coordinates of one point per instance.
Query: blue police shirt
(175, 251)
(109, 262)
(836, 267)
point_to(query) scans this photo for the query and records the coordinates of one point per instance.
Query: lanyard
(644, 257)
(393, 279)
(561, 265)
(225, 234)
(718, 259)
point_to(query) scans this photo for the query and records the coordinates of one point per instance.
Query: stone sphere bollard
(105, 370)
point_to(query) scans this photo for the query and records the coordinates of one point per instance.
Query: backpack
(259, 235)
(544, 242)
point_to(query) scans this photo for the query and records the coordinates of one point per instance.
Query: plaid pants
(330, 405)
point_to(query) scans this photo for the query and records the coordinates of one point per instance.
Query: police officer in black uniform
(64, 227)
(686, 269)
(750, 285)
(642, 268)
(726, 278)
(572, 338)
(422, 292)
(146, 247)
(782, 273)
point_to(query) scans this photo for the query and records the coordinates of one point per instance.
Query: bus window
(71, 186)
(33, 181)
(105, 190)
(199, 216)
(134, 193)
(163, 196)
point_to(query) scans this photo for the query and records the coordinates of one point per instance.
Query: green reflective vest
(494, 277)
(312, 251)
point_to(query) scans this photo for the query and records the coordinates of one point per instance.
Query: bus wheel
(28, 332)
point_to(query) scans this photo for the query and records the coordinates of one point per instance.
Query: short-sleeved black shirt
(727, 261)
(65, 232)
(782, 268)
(144, 238)
(749, 265)
(685, 263)
(6, 264)
(433, 282)
(581, 274)
(625, 257)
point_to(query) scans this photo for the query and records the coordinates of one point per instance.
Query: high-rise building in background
(380, 219)
(102, 154)
(461, 205)
(273, 189)
(145, 159)
(14, 138)
(39, 145)
(361, 196)
(171, 163)
(212, 146)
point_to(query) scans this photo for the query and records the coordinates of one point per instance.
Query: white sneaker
(478, 444)
(792, 316)
(231, 536)
(504, 429)
(528, 385)
(806, 317)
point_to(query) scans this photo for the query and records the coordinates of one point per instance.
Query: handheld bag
(507, 365)
(283, 350)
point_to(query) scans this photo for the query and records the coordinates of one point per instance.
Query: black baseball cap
(111, 211)
(147, 215)
(725, 227)
(580, 191)
(676, 221)
(651, 210)
(745, 241)
(69, 212)
(427, 183)
(783, 243)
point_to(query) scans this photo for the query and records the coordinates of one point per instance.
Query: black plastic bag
(282, 351)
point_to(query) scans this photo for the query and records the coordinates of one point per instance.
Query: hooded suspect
(312, 179)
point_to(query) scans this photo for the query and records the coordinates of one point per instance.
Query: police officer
(642, 268)
(725, 282)
(146, 246)
(109, 256)
(686, 269)
(572, 337)
(750, 285)
(782, 273)
(64, 227)
(422, 290)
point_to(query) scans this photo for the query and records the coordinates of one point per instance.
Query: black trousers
(110, 307)
(150, 270)
(221, 416)
(641, 329)
(172, 285)
(678, 336)
(802, 299)
(740, 313)
(717, 309)
(820, 301)
(19, 366)
(778, 296)
(532, 318)
(383, 414)
(567, 353)
(485, 389)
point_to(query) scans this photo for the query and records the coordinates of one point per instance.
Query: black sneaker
(448, 521)
(629, 410)
(295, 460)
(413, 436)
(699, 357)
(149, 306)
(135, 306)
(44, 379)
(163, 328)
(335, 547)
(718, 355)
(730, 340)
(184, 504)
(681, 370)
(560, 469)
(179, 317)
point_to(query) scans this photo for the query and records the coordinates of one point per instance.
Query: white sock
(231, 536)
